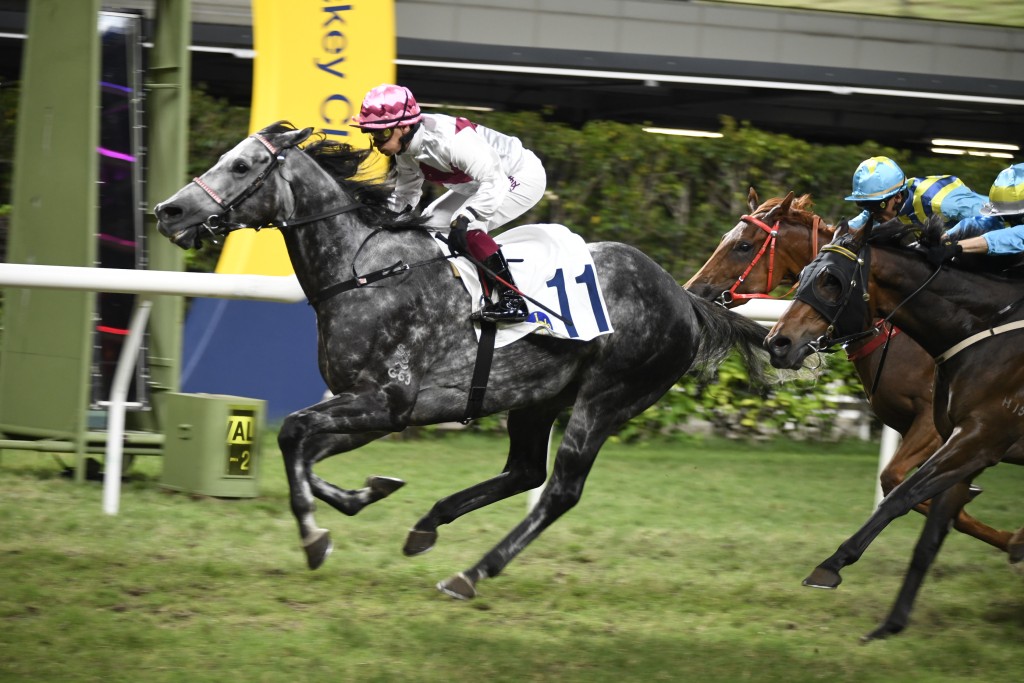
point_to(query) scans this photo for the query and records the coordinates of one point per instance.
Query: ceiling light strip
(971, 152)
(701, 80)
(939, 142)
(683, 131)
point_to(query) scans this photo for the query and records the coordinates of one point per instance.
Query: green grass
(993, 12)
(682, 562)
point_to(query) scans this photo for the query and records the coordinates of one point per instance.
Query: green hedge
(673, 198)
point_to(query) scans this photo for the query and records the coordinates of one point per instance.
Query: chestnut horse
(766, 250)
(979, 383)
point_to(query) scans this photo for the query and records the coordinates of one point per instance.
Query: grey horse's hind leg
(576, 456)
(525, 469)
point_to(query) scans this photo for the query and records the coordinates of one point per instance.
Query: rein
(358, 281)
(731, 295)
(216, 224)
(826, 341)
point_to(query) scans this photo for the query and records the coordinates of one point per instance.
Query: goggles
(381, 136)
(873, 204)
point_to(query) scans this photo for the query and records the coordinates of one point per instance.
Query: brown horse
(954, 315)
(766, 250)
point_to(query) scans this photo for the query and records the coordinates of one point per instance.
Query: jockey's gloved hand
(944, 252)
(457, 242)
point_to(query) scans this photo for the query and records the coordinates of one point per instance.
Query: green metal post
(46, 355)
(167, 109)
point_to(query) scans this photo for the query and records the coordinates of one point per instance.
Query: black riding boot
(510, 307)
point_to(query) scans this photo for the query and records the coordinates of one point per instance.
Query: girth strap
(481, 371)
(975, 338)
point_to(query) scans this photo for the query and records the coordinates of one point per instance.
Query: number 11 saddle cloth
(552, 265)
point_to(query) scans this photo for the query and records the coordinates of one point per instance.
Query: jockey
(998, 227)
(490, 177)
(884, 192)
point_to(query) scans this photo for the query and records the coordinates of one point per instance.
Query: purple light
(115, 155)
(114, 86)
(116, 240)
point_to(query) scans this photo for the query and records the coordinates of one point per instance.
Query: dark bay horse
(401, 351)
(972, 324)
(766, 250)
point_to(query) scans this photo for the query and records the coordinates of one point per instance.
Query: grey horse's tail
(723, 330)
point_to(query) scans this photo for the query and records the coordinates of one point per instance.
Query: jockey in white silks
(490, 177)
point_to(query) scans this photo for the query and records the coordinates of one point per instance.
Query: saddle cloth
(552, 265)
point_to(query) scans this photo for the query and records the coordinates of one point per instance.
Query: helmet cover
(1006, 197)
(877, 178)
(388, 106)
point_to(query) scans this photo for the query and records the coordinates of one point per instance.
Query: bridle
(217, 225)
(850, 269)
(768, 246)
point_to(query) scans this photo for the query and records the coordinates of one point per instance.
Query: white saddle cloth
(553, 266)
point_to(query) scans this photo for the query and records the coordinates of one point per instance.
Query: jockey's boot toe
(510, 308)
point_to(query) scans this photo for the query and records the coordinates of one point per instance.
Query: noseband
(218, 225)
(730, 295)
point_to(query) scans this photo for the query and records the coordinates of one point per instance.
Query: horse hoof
(823, 578)
(458, 587)
(883, 631)
(382, 487)
(419, 542)
(317, 546)
(1015, 548)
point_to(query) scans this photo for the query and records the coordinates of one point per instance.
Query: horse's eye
(240, 167)
(744, 247)
(828, 286)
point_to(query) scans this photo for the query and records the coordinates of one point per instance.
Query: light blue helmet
(1006, 198)
(877, 178)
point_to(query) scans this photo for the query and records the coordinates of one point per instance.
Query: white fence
(142, 282)
(257, 287)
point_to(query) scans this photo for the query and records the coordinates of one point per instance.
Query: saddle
(552, 266)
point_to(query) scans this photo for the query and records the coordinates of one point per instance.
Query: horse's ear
(784, 207)
(841, 230)
(780, 209)
(752, 199)
(292, 138)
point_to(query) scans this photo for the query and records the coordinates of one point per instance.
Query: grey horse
(400, 349)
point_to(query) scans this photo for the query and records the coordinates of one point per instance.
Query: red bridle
(731, 295)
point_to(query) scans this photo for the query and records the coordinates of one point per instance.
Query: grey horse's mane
(341, 162)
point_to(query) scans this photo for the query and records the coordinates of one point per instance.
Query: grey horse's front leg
(526, 468)
(337, 425)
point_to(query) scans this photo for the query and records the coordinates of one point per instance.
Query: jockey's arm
(480, 161)
(974, 245)
(408, 185)
(1006, 241)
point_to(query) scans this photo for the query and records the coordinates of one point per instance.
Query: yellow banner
(315, 59)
